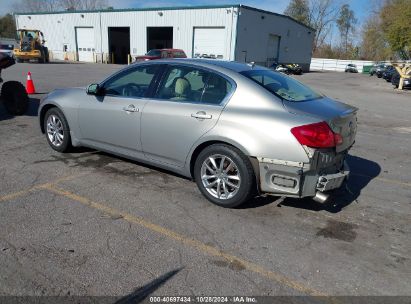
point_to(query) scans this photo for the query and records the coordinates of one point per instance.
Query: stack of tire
(15, 98)
(13, 93)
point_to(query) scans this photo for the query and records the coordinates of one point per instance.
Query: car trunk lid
(341, 118)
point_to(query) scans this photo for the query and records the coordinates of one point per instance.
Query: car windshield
(281, 85)
(154, 53)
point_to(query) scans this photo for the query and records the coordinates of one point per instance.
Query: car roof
(231, 65)
(234, 66)
(178, 50)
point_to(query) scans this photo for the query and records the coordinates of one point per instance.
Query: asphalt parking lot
(88, 223)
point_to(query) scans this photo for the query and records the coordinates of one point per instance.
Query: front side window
(281, 85)
(188, 84)
(132, 83)
(29, 34)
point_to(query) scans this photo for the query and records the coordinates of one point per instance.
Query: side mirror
(93, 89)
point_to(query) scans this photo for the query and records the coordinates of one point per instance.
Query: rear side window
(188, 84)
(179, 54)
(281, 85)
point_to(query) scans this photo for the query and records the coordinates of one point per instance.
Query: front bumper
(326, 171)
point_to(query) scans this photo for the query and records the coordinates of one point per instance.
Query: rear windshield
(154, 53)
(179, 54)
(281, 85)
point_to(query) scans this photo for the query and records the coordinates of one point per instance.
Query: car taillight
(317, 135)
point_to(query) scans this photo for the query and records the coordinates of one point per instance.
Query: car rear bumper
(326, 171)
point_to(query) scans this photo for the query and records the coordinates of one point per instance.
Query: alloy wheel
(55, 130)
(220, 176)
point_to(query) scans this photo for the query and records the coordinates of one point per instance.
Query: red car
(162, 53)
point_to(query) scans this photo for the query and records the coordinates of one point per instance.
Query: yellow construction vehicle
(31, 46)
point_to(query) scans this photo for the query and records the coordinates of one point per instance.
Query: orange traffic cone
(30, 85)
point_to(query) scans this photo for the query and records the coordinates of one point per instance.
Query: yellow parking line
(207, 249)
(14, 195)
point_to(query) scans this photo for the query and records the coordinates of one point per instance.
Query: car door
(187, 104)
(112, 121)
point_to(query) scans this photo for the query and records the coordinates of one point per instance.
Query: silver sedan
(238, 130)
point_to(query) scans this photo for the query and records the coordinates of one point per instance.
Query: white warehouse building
(229, 32)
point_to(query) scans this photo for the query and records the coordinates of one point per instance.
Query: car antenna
(252, 64)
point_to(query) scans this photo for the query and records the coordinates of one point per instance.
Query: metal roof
(161, 8)
(168, 8)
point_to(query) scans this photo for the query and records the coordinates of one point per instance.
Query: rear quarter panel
(256, 122)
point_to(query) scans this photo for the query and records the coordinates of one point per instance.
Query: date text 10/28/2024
(202, 299)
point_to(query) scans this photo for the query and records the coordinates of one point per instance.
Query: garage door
(273, 49)
(85, 43)
(209, 42)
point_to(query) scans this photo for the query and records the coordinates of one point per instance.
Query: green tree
(346, 22)
(396, 25)
(318, 14)
(374, 45)
(7, 27)
(299, 10)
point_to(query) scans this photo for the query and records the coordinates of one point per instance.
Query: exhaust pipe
(320, 197)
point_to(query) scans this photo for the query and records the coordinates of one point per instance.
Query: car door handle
(130, 108)
(202, 115)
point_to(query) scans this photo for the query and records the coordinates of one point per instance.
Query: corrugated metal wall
(59, 29)
(182, 21)
(253, 34)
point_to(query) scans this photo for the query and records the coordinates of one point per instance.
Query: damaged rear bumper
(326, 171)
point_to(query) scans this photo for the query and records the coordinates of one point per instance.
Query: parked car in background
(395, 80)
(377, 69)
(7, 49)
(373, 69)
(388, 72)
(380, 69)
(352, 68)
(162, 53)
(236, 129)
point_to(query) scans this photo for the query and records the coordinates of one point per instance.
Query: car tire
(231, 188)
(15, 98)
(57, 130)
